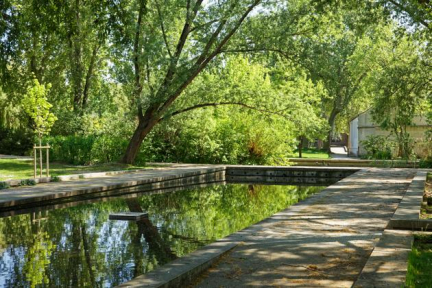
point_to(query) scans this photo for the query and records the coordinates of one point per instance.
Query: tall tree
(85, 34)
(167, 44)
(400, 84)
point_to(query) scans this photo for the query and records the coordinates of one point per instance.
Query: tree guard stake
(35, 148)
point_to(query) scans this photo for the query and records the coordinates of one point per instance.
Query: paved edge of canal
(194, 174)
(326, 240)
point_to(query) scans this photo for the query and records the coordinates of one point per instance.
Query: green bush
(229, 137)
(378, 147)
(85, 150)
(27, 182)
(4, 185)
(223, 136)
(426, 163)
(16, 142)
(71, 149)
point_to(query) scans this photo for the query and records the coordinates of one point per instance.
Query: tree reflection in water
(80, 247)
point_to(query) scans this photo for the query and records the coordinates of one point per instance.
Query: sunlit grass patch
(23, 169)
(420, 262)
(312, 153)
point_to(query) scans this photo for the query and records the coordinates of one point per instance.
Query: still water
(80, 247)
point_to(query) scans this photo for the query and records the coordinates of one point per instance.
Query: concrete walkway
(324, 241)
(338, 152)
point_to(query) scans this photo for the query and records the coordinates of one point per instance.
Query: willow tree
(161, 46)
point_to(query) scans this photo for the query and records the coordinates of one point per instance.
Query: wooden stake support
(40, 148)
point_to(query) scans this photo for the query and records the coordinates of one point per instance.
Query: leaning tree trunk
(145, 125)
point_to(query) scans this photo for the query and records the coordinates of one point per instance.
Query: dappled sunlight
(323, 241)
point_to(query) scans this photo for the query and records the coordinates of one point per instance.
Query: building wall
(353, 138)
(367, 127)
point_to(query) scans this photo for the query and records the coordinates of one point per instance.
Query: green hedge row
(83, 150)
(16, 142)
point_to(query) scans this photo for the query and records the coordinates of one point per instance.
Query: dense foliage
(233, 81)
(15, 142)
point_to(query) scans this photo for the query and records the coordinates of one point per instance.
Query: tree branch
(136, 49)
(215, 104)
(194, 71)
(163, 28)
(258, 50)
(202, 25)
(180, 45)
(230, 34)
(410, 13)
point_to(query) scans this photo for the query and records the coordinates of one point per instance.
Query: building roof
(352, 119)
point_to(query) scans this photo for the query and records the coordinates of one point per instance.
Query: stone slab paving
(324, 241)
(409, 208)
(55, 190)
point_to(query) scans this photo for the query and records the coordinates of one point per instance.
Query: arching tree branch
(215, 104)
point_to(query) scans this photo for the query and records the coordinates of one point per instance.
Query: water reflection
(79, 247)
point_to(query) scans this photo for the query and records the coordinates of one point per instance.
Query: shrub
(426, 163)
(378, 147)
(229, 137)
(71, 149)
(28, 182)
(16, 142)
(85, 150)
(4, 185)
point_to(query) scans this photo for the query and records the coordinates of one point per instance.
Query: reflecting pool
(80, 247)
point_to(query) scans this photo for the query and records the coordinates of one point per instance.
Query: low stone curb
(62, 178)
(387, 265)
(183, 271)
(343, 162)
(89, 188)
(409, 208)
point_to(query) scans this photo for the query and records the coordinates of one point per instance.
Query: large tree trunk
(145, 125)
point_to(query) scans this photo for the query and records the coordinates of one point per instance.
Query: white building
(363, 126)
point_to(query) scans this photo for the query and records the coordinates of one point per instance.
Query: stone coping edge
(387, 264)
(409, 208)
(62, 178)
(126, 184)
(185, 269)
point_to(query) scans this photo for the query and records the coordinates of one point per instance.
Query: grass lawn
(420, 263)
(426, 211)
(22, 169)
(312, 153)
